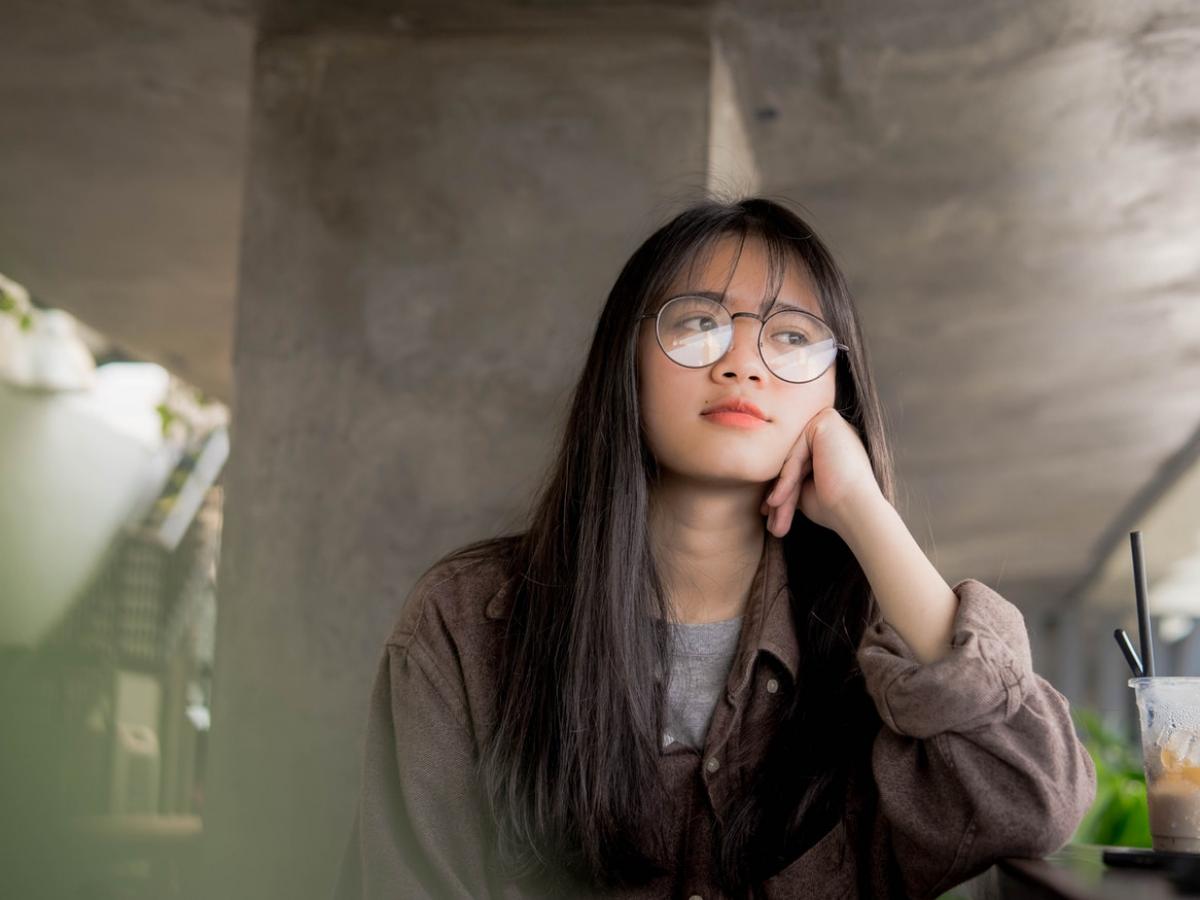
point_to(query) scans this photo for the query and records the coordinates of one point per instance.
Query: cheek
(661, 398)
(804, 401)
(669, 400)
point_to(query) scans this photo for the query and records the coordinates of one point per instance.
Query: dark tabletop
(1075, 872)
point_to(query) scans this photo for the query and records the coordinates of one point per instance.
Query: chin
(724, 470)
(701, 456)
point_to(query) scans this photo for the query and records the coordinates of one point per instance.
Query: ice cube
(1180, 747)
(1191, 756)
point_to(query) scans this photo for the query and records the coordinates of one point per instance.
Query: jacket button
(713, 764)
(772, 686)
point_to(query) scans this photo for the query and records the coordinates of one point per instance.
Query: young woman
(672, 685)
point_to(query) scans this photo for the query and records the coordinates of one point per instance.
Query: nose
(742, 359)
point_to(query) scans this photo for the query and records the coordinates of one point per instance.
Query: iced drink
(1169, 711)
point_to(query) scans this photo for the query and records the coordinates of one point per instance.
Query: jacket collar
(768, 624)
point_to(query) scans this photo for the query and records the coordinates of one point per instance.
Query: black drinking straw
(1131, 657)
(1143, 604)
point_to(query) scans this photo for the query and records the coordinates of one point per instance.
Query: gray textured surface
(1012, 190)
(431, 229)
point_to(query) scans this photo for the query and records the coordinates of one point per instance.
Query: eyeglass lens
(696, 331)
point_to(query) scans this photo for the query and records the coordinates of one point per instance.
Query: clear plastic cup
(1169, 712)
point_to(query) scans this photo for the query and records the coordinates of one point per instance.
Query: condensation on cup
(1169, 714)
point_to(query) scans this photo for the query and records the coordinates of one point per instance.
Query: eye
(790, 337)
(709, 322)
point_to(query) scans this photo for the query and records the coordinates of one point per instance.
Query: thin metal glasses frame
(758, 340)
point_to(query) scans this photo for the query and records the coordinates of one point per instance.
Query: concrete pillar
(432, 224)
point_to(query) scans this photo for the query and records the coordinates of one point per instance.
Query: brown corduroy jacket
(976, 758)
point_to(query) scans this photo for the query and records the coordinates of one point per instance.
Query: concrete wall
(433, 223)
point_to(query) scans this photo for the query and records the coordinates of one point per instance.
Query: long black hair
(570, 771)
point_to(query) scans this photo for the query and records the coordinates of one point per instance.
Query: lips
(736, 404)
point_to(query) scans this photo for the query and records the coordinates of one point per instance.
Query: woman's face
(674, 398)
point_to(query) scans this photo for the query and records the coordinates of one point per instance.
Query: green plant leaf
(1119, 815)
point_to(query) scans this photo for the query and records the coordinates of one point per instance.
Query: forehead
(740, 274)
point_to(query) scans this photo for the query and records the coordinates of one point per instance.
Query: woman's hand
(826, 472)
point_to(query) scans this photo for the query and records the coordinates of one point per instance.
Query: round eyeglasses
(695, 332)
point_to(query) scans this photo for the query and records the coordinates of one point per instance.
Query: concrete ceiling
(1011, 190)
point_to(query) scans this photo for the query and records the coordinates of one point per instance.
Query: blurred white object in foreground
(75, 468)
(40, 349)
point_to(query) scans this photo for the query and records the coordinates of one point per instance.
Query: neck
(707, 542)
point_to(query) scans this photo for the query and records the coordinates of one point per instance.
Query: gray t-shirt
(703, 654)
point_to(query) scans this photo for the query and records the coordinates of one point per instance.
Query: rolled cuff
(982, 680)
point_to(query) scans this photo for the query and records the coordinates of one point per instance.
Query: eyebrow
(763, 307)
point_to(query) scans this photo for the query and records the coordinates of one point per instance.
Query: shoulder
(457, 593)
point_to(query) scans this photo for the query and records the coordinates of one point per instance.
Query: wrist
(860, 508)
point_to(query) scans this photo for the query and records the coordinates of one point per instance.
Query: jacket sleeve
(419, 830)
(978, 757)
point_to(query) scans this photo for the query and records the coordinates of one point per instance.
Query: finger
(783, 520)
(806, 472)
(788, 478)
(769, 496)
(791, 469)
(787, 511)
(780, 519)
